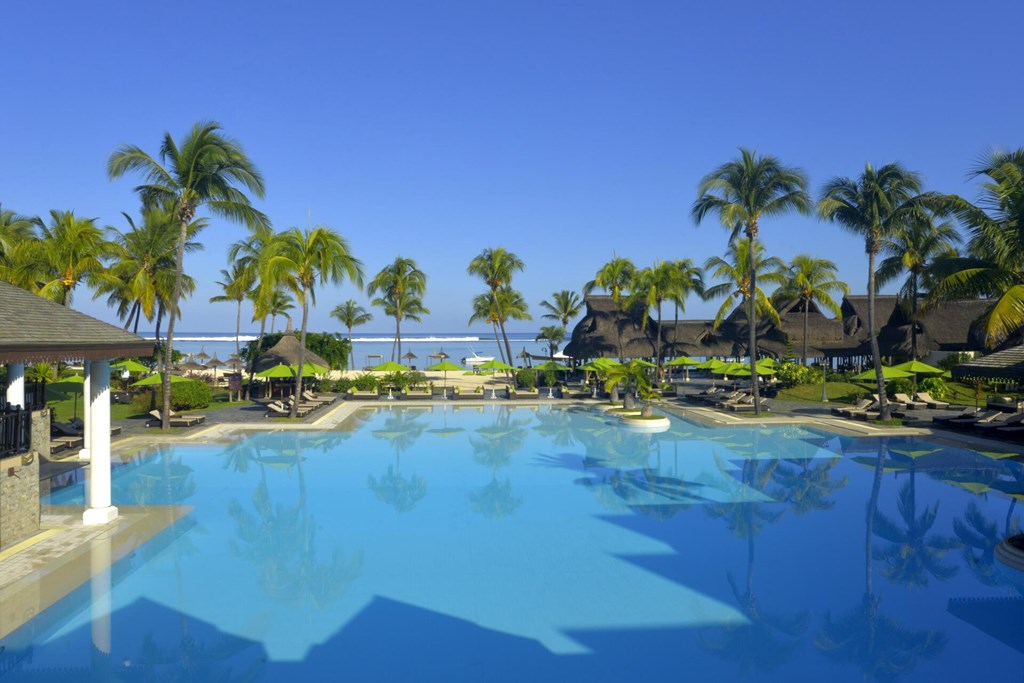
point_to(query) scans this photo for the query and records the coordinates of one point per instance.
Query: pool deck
(40, 570)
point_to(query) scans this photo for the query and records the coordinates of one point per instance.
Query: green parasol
(643, 363)
(709, 364)
(445, 367)
(887, 372)
(279, 371)
(155, 379)
(309, 369)
(390, 366)
(494, 365)
(551, 365)
(682, 360)
(918, 368)
(73, 384)
(130, 365)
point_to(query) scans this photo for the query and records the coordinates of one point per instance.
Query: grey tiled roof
(34, 329)
(1008, 364)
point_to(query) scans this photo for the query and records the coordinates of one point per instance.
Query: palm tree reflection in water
(493, 448)
(878, 645)
(401, 430)
(279, 540)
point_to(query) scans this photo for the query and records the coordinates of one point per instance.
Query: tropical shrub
(934, 386)
(190, 394)
(526, 378)
(953, 359)
(550, 378)
(900, 385)
(794, 374)
(365, 382)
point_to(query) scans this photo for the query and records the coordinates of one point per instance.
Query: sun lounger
(965, 423)
(931, 402)
(313, 398)
(745, 405)
(278, 409)
(845, 411)
(965, 413)
(910, 403)
(174, 420)
(1013, 420)
(60, 443)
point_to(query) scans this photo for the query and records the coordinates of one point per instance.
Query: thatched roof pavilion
(949, 327)
(286, 352)
(595, 335)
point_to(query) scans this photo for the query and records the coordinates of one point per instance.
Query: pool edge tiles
(39, 576)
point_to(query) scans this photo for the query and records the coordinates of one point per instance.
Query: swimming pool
(541, 543)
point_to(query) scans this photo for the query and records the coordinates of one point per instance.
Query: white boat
(475, 359)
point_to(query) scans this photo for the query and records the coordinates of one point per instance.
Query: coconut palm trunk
(752, 318)
(876, 356)
(302, 352)
(238, 329)
(185, 214)
(807, 314)
(501, 323)
(252, 357)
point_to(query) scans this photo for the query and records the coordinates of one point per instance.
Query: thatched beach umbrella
(286, 352)
(409, 356)
(202, 355)
(215, 363)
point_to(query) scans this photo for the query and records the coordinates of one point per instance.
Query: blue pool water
(522, 544)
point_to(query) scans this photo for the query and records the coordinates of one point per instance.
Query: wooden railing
(35, 396)
(15, 432)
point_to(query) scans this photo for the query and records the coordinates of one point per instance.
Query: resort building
(36, 330)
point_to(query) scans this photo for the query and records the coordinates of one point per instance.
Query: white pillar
(16, 384)
(86, 410)
(97, 440)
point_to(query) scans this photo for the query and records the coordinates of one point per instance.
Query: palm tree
(140, 278)
(615, 277)
(496, 266)
(916, 249)
(401, 286)
(253, 254)
(688, 279)
(351, 314)
(652, 286)
(812, 280)
(552, 334)
(280, 303)
(874, 206)
(237, 285)
(302, 259)
(734, 271)
(68, 251)
(563, 307)
(994, 264)
(205, 170)
(741, 192)
(14, 230)
(498, 308)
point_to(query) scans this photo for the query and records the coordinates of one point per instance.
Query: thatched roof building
(1007, 364)
(951, 327)
(286, 352)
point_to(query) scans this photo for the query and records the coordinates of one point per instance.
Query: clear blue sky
(563, 131)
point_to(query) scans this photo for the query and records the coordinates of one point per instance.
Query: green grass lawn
(840, 392)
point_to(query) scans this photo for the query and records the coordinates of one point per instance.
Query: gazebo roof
(286, 352)
(1006, 364)
(33, 329)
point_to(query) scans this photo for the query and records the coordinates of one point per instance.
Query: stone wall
(19, 485)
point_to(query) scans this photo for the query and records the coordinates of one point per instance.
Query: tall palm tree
(552, 334)
(300, 260)
(994, 264)
(741, 192)
(615, 277)
(253, 253)
(401, 286)
(563, 307)
(496, 266)
(812, 280)
(874, 206)
(237, 286)
(498, 308)
(68, 251)
(688, 279)
(140, 278)
(280, 303)
(916, 249)
(350, 314)
(653, 286)
(206, 169)
(736, 283)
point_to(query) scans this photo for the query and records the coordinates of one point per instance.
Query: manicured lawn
(840, 392)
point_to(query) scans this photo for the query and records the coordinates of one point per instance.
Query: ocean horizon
(371, 348)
